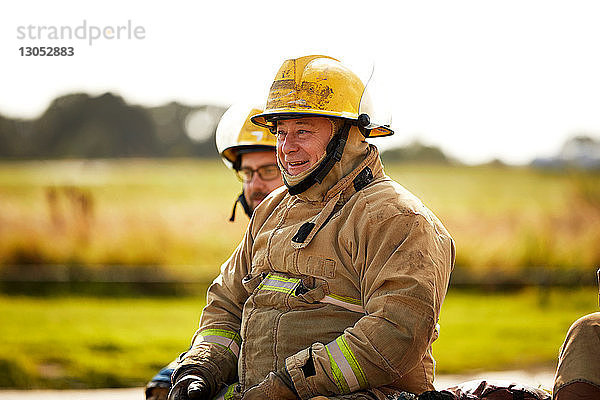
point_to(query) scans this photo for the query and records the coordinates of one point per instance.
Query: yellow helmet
(319, 86)
(236, 135)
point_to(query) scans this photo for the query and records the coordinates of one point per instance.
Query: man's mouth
(295, 164)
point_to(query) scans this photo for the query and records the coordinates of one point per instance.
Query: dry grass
(174, 212)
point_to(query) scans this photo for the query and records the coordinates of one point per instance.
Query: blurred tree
(80, 126)
(580, 151)
(415, 151)
(14, 135)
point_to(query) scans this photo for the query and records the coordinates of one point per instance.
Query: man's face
(302, 142)
(256, 189)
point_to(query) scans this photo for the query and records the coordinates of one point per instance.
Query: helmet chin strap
(242, 200)
(333, 154)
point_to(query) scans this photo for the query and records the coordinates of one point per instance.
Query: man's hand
(276, 386)
(190, 387)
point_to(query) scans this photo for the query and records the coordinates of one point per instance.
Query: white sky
(481, 79)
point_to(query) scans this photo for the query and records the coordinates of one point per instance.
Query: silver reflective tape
(343, 365)
(223, 341)
(349, 306)
(280, 284)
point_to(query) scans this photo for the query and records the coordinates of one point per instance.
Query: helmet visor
(236, 132)
(376, 104)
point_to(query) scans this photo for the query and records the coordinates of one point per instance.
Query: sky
(480, 79)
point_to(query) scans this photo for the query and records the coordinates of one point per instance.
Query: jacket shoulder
(385, 193)
(385, 199)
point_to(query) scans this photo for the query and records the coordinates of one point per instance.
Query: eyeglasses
(265, 172)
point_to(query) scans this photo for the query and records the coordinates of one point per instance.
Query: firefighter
(578, 372)
(336, 288)
(250, 151)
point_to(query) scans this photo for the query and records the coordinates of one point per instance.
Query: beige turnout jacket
(342, 285)
(579, 358)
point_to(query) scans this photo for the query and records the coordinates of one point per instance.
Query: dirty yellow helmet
(236, 135)
(319, 86)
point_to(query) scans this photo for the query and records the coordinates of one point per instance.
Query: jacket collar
(348, 185)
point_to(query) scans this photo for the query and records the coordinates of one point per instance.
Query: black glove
(276, 386)
(189, 386)
(435, 395)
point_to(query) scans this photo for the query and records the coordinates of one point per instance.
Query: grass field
(134, 212)
(510, 224)
(518, 330)
(91, 342)
(62, 342)
(174, 212)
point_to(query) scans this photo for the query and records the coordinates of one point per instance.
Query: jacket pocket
(308, 294)
(252, 281)
(317, 266)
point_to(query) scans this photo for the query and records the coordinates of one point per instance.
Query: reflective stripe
(228, 339)
(347, 373)
(277, 283)
(225, 342)
(226, 393)
(344, 302)
(338, 376)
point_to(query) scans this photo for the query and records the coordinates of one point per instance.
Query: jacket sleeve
(216, 344)
(403, 262)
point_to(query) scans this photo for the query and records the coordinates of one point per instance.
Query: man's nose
(289, 144)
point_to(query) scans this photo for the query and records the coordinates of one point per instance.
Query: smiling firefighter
(337, 285)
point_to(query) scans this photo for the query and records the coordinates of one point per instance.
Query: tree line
(81, 126)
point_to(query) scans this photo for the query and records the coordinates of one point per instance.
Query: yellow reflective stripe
(226, 393)
(338, 376)
(356, 368)
(347, 373)
(344, 302)
(346, 299)
(276, 283)
(229, 393)
(228, 339)
(224, 333)
(281, 278)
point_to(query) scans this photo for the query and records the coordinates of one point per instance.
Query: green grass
(500, 331)
(173, 214)
(91, 342)
(88, 342)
